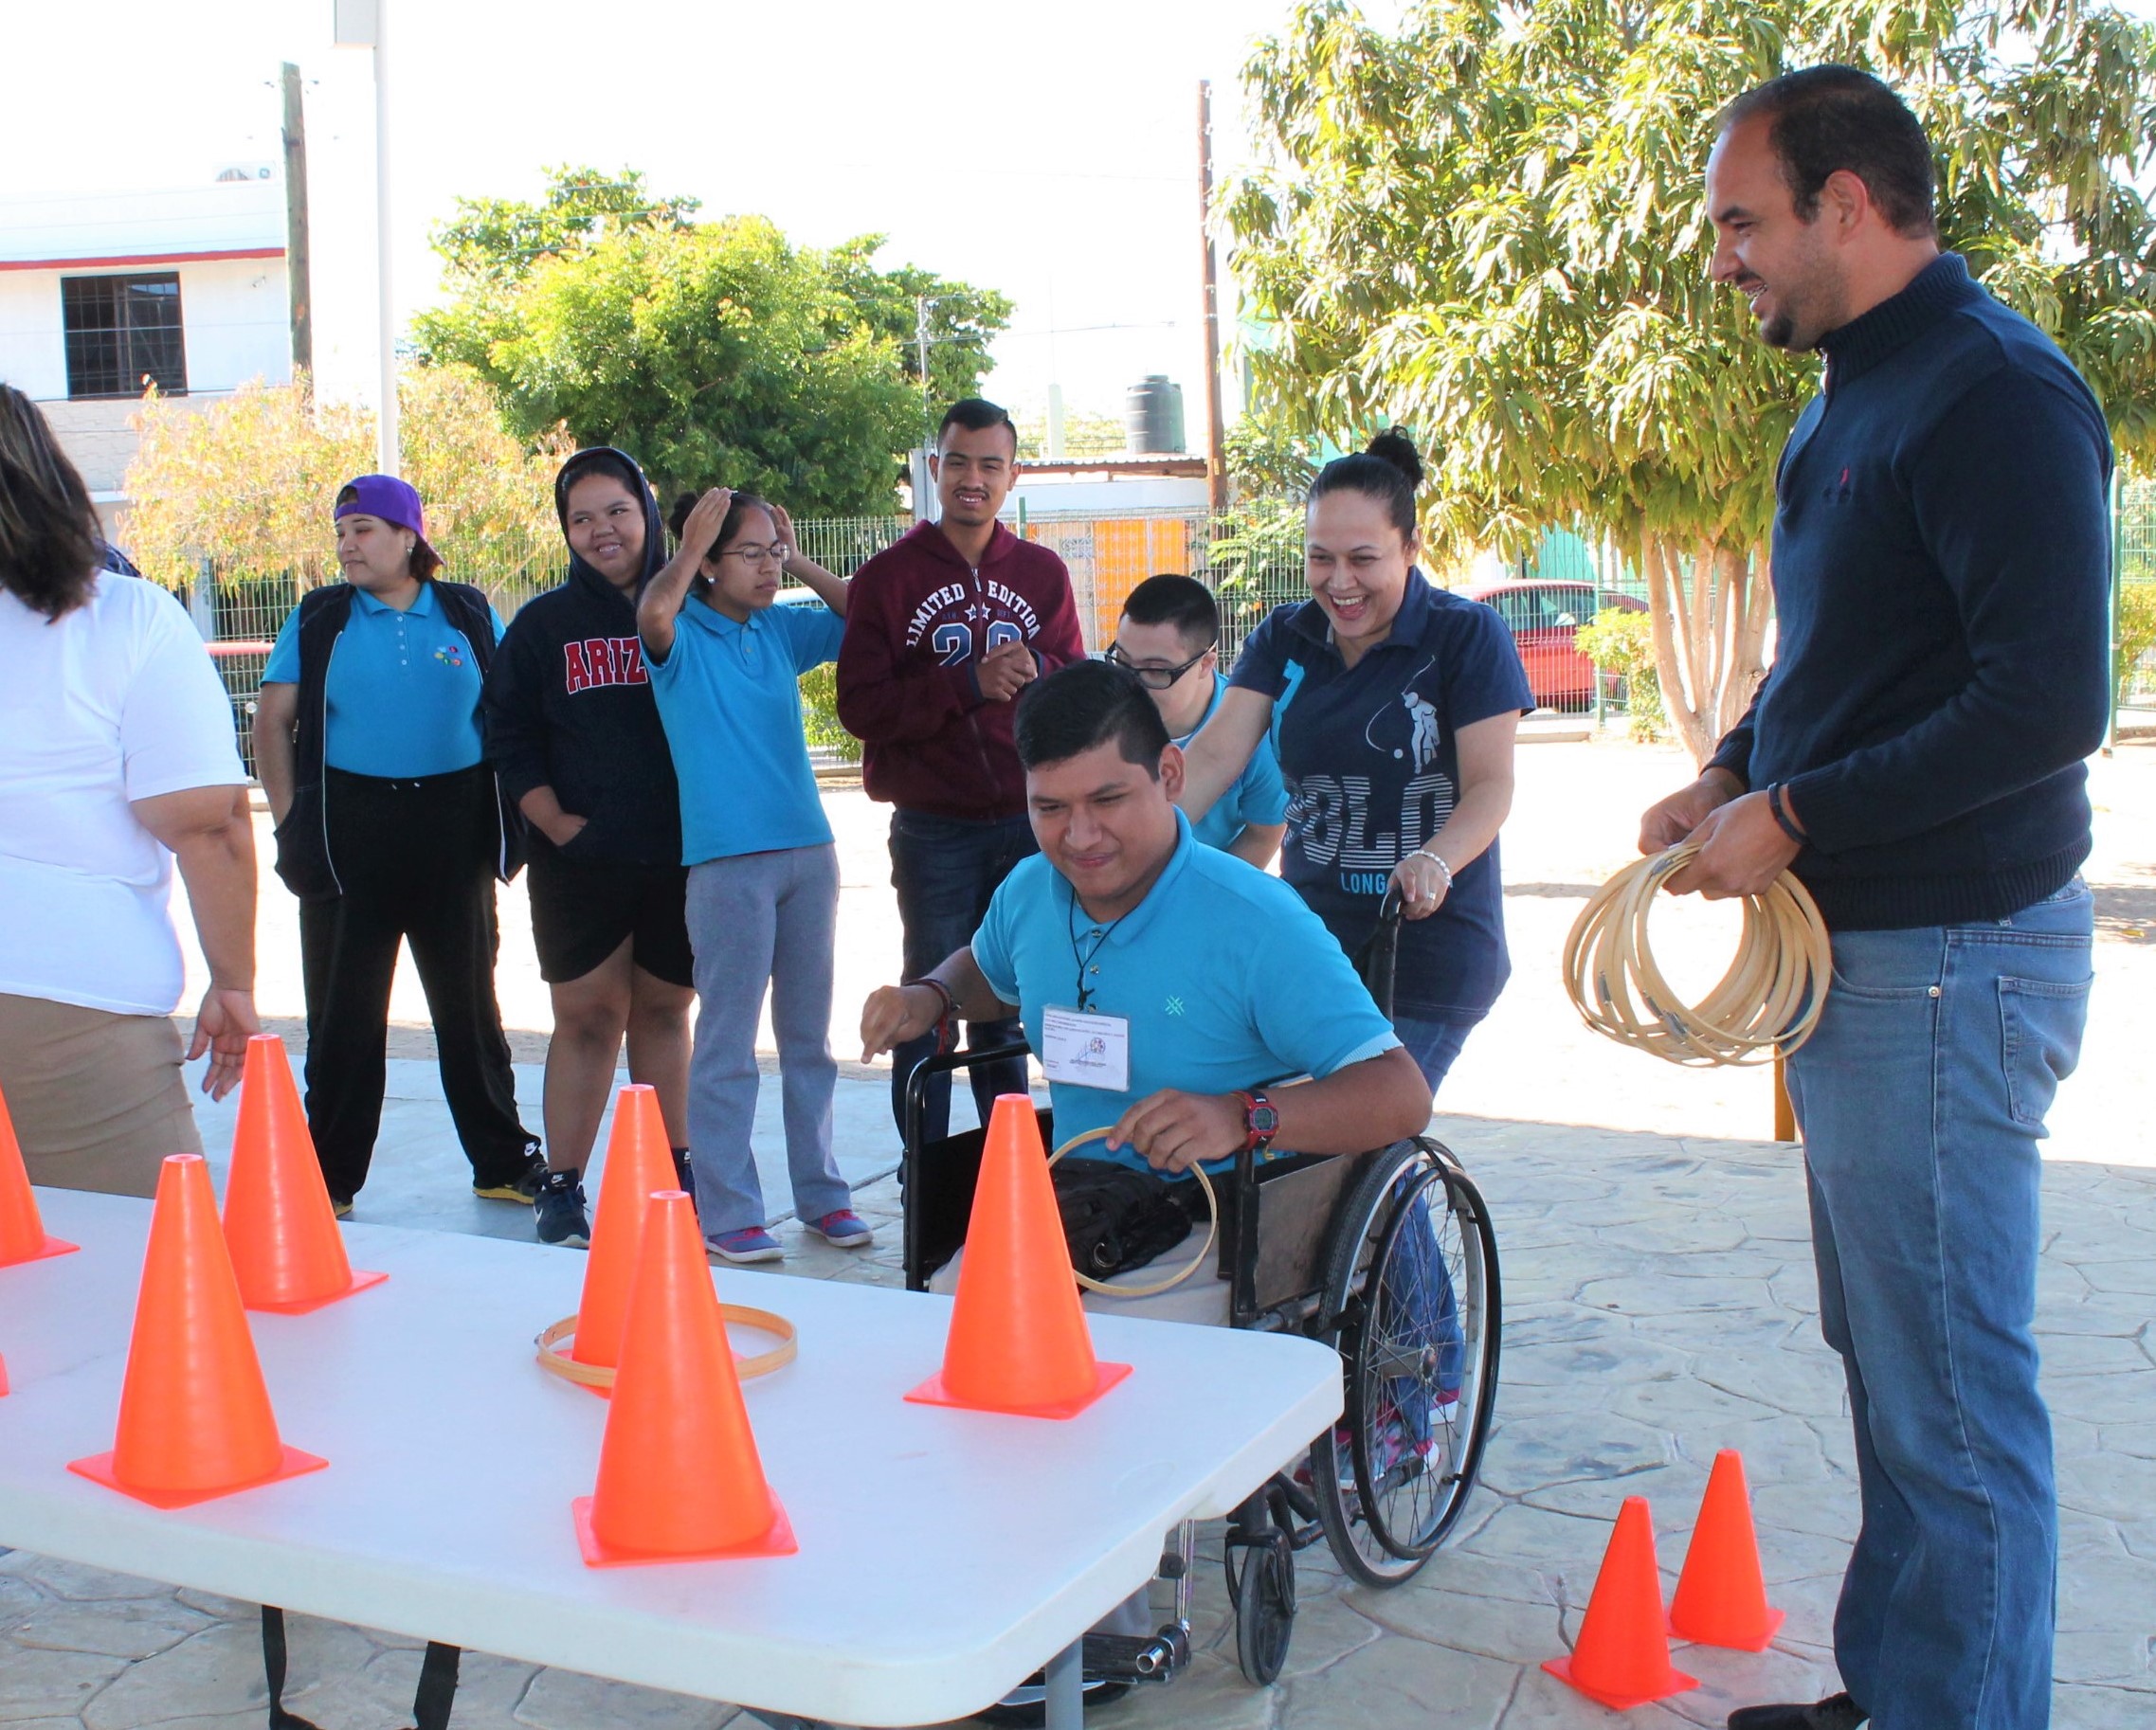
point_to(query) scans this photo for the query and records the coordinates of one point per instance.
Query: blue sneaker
(558, 1210)
(752, 1243)
(845, 1229)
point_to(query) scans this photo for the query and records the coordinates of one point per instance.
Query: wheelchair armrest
(912, 1175)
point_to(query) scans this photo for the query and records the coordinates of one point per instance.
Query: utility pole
(296, 265)
(1216, 440)
(365, 24)
(924, 485)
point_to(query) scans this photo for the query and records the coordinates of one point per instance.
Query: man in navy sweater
(1941, 564)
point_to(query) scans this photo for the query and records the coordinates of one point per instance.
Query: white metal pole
(386, 452)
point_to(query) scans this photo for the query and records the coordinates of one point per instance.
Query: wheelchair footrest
(1137, 1657)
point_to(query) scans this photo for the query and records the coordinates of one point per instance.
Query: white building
(100, 293)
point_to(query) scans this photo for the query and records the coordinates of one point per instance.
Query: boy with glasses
(1169, 637)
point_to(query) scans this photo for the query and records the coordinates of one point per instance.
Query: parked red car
(1543, 616)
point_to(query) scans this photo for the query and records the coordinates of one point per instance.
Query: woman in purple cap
(392, 828)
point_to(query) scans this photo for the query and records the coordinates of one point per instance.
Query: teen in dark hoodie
(943, 632)
(574, 735)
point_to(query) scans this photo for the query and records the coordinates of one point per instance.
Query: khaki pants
(97, 1098)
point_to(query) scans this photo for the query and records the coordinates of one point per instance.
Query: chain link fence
(2134, 611)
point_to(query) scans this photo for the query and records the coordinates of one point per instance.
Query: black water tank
(1152, 416)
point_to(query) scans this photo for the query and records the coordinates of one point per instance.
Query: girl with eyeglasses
(726, 664)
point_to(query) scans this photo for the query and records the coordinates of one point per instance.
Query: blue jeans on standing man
(1921, 1098)
(946, 869)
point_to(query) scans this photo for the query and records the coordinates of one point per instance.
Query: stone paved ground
(1659, 1305)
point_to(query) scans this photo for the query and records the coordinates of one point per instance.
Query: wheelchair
(1388, 1257)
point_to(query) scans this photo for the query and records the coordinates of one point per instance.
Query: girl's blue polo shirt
(1370, 754)
(1228, 981)
(1257, 797)
(402, 696)
(729, 696)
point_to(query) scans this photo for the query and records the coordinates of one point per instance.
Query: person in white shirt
(117, 758)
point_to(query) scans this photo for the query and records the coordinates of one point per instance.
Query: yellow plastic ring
(555, 1359)
(1174, 1280)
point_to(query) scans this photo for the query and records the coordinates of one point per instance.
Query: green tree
(717, 352)
(1490, 225)
(250, 481)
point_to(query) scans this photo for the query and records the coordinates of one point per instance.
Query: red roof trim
(142, 258)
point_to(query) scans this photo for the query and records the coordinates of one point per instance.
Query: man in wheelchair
(1162, 983)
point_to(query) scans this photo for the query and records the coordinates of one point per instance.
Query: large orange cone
(1018, 1340)
(194, 1416)
(22, 1232)
(1721, 1595)
(639, 1162)
(1621, 1657)
(279, 1224)
(680, 1479)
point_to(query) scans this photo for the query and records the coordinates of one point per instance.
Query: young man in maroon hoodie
(943, 631)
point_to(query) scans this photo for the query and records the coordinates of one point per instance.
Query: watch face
(1265, 1120)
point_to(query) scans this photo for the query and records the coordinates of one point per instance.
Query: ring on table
(557, 1361)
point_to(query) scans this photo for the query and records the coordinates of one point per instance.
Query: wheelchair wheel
(1264, 1611)
(1413, 1304)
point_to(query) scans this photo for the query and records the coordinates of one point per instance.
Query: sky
(1046, 150)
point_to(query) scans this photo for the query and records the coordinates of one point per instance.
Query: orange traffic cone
(639, 1162)
(1019, 1340)
(1721, 1595)
(22, 1232)
(194, 1416)
(286, 1249)
(3, 1379)
(1621, 1657)
(680, 1479)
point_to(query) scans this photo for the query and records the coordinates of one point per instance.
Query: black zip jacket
(303, 838)
(569, 705)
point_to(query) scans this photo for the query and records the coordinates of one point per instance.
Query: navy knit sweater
(1941, 559)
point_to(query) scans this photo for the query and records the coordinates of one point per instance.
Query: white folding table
(944, 1557)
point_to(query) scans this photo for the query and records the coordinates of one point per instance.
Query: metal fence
(2134, 603)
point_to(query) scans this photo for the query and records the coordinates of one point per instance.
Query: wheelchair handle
(1376, 960)
(945, 1063)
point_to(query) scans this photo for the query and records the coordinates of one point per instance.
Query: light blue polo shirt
(1228, 980)
(729, 696)
(1259, 795)
(403, 692)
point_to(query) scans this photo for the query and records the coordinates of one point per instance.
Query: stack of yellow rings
(1768, 1000)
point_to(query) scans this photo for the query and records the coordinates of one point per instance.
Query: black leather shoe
(1836, 1712)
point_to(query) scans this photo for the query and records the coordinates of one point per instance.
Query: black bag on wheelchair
(1117, 1216)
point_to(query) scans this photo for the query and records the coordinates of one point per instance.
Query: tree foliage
(250, 481)
(1490, 225)
(718, 352)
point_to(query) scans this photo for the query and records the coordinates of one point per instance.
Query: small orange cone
(1721, 1595)
(194, 1416)
(286, 1249)
(639, 1162)
(3, 1379)
(22, 1232)
(680, 1479)
(1019, 1340)
(1621, 1657)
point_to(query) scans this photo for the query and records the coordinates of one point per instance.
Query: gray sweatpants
(755, 920)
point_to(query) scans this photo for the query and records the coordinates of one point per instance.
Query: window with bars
(123, 332)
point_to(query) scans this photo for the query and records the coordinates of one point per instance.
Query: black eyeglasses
(1152, 678)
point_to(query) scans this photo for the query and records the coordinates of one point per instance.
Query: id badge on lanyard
(1086, 1049)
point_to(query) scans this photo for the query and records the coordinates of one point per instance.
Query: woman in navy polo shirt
(1393, 706)
(726, 666)
(390, 828)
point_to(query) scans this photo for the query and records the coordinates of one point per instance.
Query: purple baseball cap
(385, 497)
